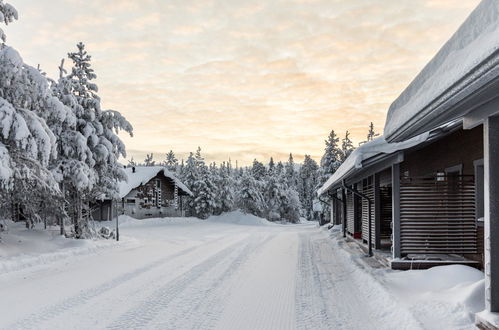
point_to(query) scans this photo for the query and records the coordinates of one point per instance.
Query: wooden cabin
(150, 192)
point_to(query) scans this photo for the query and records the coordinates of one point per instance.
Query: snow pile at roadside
(437, 297)
(21, 248)
(127, 221)
(442, 292)
(240, 218)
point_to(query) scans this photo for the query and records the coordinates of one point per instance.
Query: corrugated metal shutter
(438, 216)
(350, 213)
(368, 190)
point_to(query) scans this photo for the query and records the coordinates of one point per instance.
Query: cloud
(243, 79)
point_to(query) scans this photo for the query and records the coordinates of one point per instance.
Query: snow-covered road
(203, 275)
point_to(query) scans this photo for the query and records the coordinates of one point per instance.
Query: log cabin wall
(167, 189)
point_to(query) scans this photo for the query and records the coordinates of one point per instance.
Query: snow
(186, 273)
(367, 150)
(469, 48)
(240, 218)
(446, 292)
(144, 174)
(22, 248)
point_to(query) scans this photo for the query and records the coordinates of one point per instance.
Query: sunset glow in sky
(241, 78)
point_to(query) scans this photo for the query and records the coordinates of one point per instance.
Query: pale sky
(241, 78)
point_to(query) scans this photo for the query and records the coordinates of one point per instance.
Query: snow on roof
(460, 65)
(144, 174)
(367, 150)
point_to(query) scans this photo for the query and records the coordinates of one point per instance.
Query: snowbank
(22, 248)
(437, 297)
(240, 218)
(440, 293)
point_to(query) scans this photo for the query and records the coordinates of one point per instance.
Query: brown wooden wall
(460, 147)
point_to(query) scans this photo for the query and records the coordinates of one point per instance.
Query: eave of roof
(377, 151)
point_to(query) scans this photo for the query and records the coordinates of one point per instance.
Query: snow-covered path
(203, 275)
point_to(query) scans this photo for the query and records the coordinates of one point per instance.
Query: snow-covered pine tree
(346, 146)
(198, 157)
(27, 144)
(250, 198)
(272, 194)
(149, 160)
(225, 189)
(289, 201)
(8, 15)
(308, 183)
(205, 194)
(189, 176)
(171, 161)
(99, 128)
(371, 134)
(330, 162)
(258, 170)
(291, 172)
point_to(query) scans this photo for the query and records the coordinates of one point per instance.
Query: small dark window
(130, 201)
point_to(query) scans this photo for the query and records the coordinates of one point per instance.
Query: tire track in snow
(207, 299)
(311, 308)
(335, 293)
(52, 311)
(140, 316)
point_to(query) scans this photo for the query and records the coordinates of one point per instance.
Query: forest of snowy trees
(283, 192)
(59, 153)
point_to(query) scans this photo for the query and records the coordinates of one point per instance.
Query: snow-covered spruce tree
(289, 200)
(99, 129)
(308, 182)
(149, 160)
(330, 162)
(371, 134)
(250, 199)
(272, 194)
(26, 142)
(189, 175)
(7, 15)
(258, 170)
(225, 189)
(205, 196)
(291, 172)
(171, 161)
(346, 146)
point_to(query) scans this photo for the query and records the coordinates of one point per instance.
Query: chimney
(133, 169)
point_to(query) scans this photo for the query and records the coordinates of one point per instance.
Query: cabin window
(479, 188)
(130, 201)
